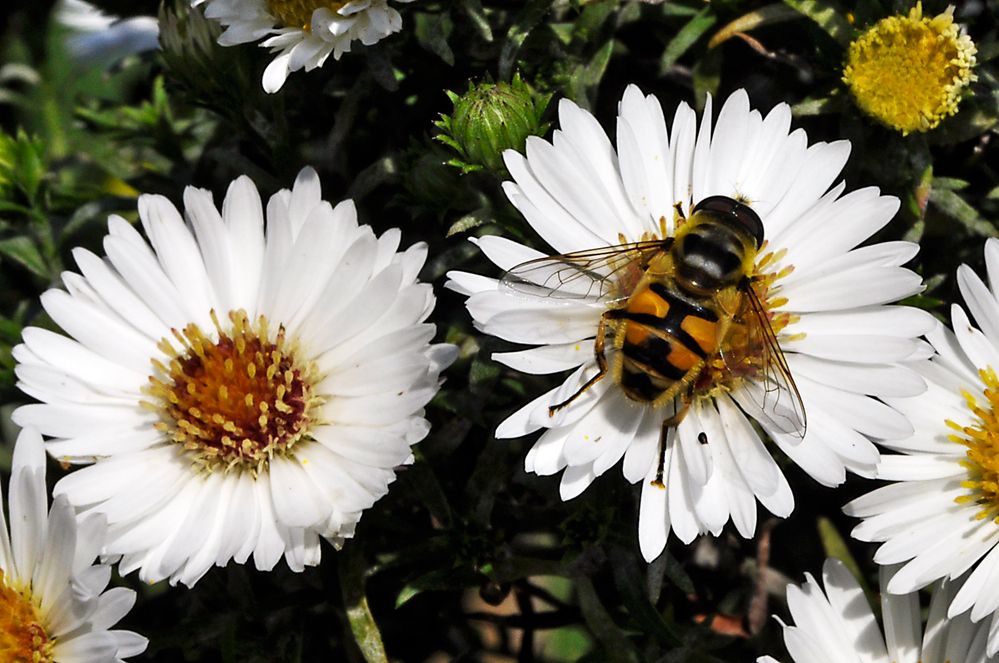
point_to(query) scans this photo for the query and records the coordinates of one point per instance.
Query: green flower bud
(490, 118)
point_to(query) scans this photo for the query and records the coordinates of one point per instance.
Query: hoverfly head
(733, 213)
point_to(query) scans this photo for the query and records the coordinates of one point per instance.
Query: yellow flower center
(298, 13)
(236, 402)
(22, 637)
(909, 71)
(982, 440)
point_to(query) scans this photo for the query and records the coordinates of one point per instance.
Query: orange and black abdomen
(665, 334)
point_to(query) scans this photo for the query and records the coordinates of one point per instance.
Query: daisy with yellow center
(834, 623)
(303, 33)
(824, 299)
(909, 72)
(53, 603)
(940, 515)
(234, 393)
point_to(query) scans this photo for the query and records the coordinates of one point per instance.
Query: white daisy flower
(237, 394)
(97, 37)
(824, 298)
(53, 607)
(941, 513)
(303, 33)
(837, 625)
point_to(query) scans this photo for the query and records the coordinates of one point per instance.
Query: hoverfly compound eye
(742, 214)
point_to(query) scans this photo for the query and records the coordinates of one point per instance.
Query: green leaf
(528, 19)
(685, 38)
(828, 16)
(432, 31)
(707, 77)
(593, 17)
(421, 478)
(835, 546)
(949, 183)
(951, 204)
(24, 252)
(477, 15)
(362, 623)
(372, 176)
(471, 220)
(630, 582)
(817, 106)
(617, 648)
(405, 594)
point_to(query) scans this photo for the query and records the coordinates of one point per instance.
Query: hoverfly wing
(602, 275)
(772, 390)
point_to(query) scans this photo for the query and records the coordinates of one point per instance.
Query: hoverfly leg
(598, 351)
(680, 405)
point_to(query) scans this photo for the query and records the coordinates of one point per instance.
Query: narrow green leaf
(428, 490)
(951, 204)
(477, 15)
(526, 21)
(949, 183)
(24, 252)
(707, 77)
(471, 220)
(372, 176)
(828, 16)
(617, 648)
(593, 17)
(362, 623)
(405, 594)
(834, 545)
(769, 15)
(432, 31)
(595, 68)
(815, 106)
(685, 38)
(632, 585)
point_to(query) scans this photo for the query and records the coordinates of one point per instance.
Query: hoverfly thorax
(683, 315)
(716, 247)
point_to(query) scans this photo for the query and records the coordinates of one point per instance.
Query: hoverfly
(679, 310)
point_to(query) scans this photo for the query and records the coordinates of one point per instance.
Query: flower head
(838, 625)
(237, 393)
(822, 297)
(97, 37)
(909, 72)
(53, 607)
(303, 33)
(941, 513)
(490, 118)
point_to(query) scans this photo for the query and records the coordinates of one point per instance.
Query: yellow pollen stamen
(298, 13)
(982, 440)
(220, 400)
(23, 638)
(909, 71)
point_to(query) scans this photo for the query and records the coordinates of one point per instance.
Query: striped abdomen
(663, 334)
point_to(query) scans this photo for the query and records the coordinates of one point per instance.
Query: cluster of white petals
(843, 343)
(47, 560)
(331, 30)
(929, 517)
(348, 303)
(835, 624)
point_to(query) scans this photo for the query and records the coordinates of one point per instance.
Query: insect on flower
(681, 309)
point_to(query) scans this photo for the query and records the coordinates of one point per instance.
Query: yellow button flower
(909, 71)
